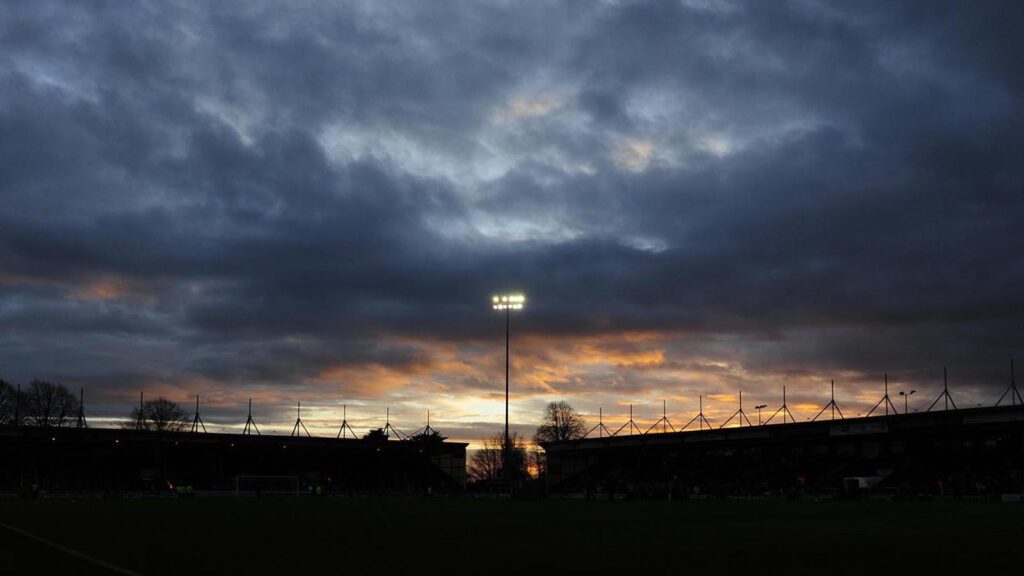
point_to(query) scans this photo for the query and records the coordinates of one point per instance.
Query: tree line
(54, 405)
(41, 403)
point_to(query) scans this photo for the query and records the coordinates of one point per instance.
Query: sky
(316, 201)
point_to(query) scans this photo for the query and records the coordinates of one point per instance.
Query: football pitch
(478, 536)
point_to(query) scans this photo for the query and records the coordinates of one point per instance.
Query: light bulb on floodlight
(508, 302)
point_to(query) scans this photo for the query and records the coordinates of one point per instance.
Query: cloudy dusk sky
(315, 201)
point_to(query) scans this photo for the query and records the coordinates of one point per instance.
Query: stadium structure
(968, 453)
(119, 461)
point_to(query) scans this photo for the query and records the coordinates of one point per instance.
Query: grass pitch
(464, 536)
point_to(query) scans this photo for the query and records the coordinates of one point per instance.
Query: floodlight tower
(508, 303)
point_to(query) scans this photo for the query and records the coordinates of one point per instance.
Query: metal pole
(1013, 383)
(142, 406)
(508, 335)
(945, 397)
(81, 409)
(945, 387)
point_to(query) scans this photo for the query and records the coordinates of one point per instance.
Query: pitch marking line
(67, 550)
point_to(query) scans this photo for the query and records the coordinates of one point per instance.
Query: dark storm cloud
(246, 194)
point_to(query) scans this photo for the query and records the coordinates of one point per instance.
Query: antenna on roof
(81, 409)
(831, 404)
(1012, 390)
(885, 399)
(699, 418)
(784, 409)
(298, 422)
(630, 425)
(742, 415)
(344, 424)
(945, 393)
(426, 430)
(250, 424)
(664, 421)
(197, 422)
(140, 421)
(388, 427)
(600, 427)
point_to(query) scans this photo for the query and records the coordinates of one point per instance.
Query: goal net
(254, 485)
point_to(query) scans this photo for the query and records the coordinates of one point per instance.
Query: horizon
(719, 408)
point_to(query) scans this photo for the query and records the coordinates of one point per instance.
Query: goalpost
(266, 485)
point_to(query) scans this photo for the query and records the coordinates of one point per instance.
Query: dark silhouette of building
(116, 460)
(972, 452)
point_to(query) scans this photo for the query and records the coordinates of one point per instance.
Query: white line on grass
(67, 550)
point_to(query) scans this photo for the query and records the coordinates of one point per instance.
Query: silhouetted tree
(49, 404)
(159, 415)
(486, 463)
(376, 435)
(561, 422)
(8, 403)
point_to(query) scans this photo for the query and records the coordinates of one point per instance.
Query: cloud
(697, 199)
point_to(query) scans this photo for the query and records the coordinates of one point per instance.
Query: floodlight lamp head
(508, 302)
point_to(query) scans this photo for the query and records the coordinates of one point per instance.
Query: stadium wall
(966, 453)
(113, 460)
